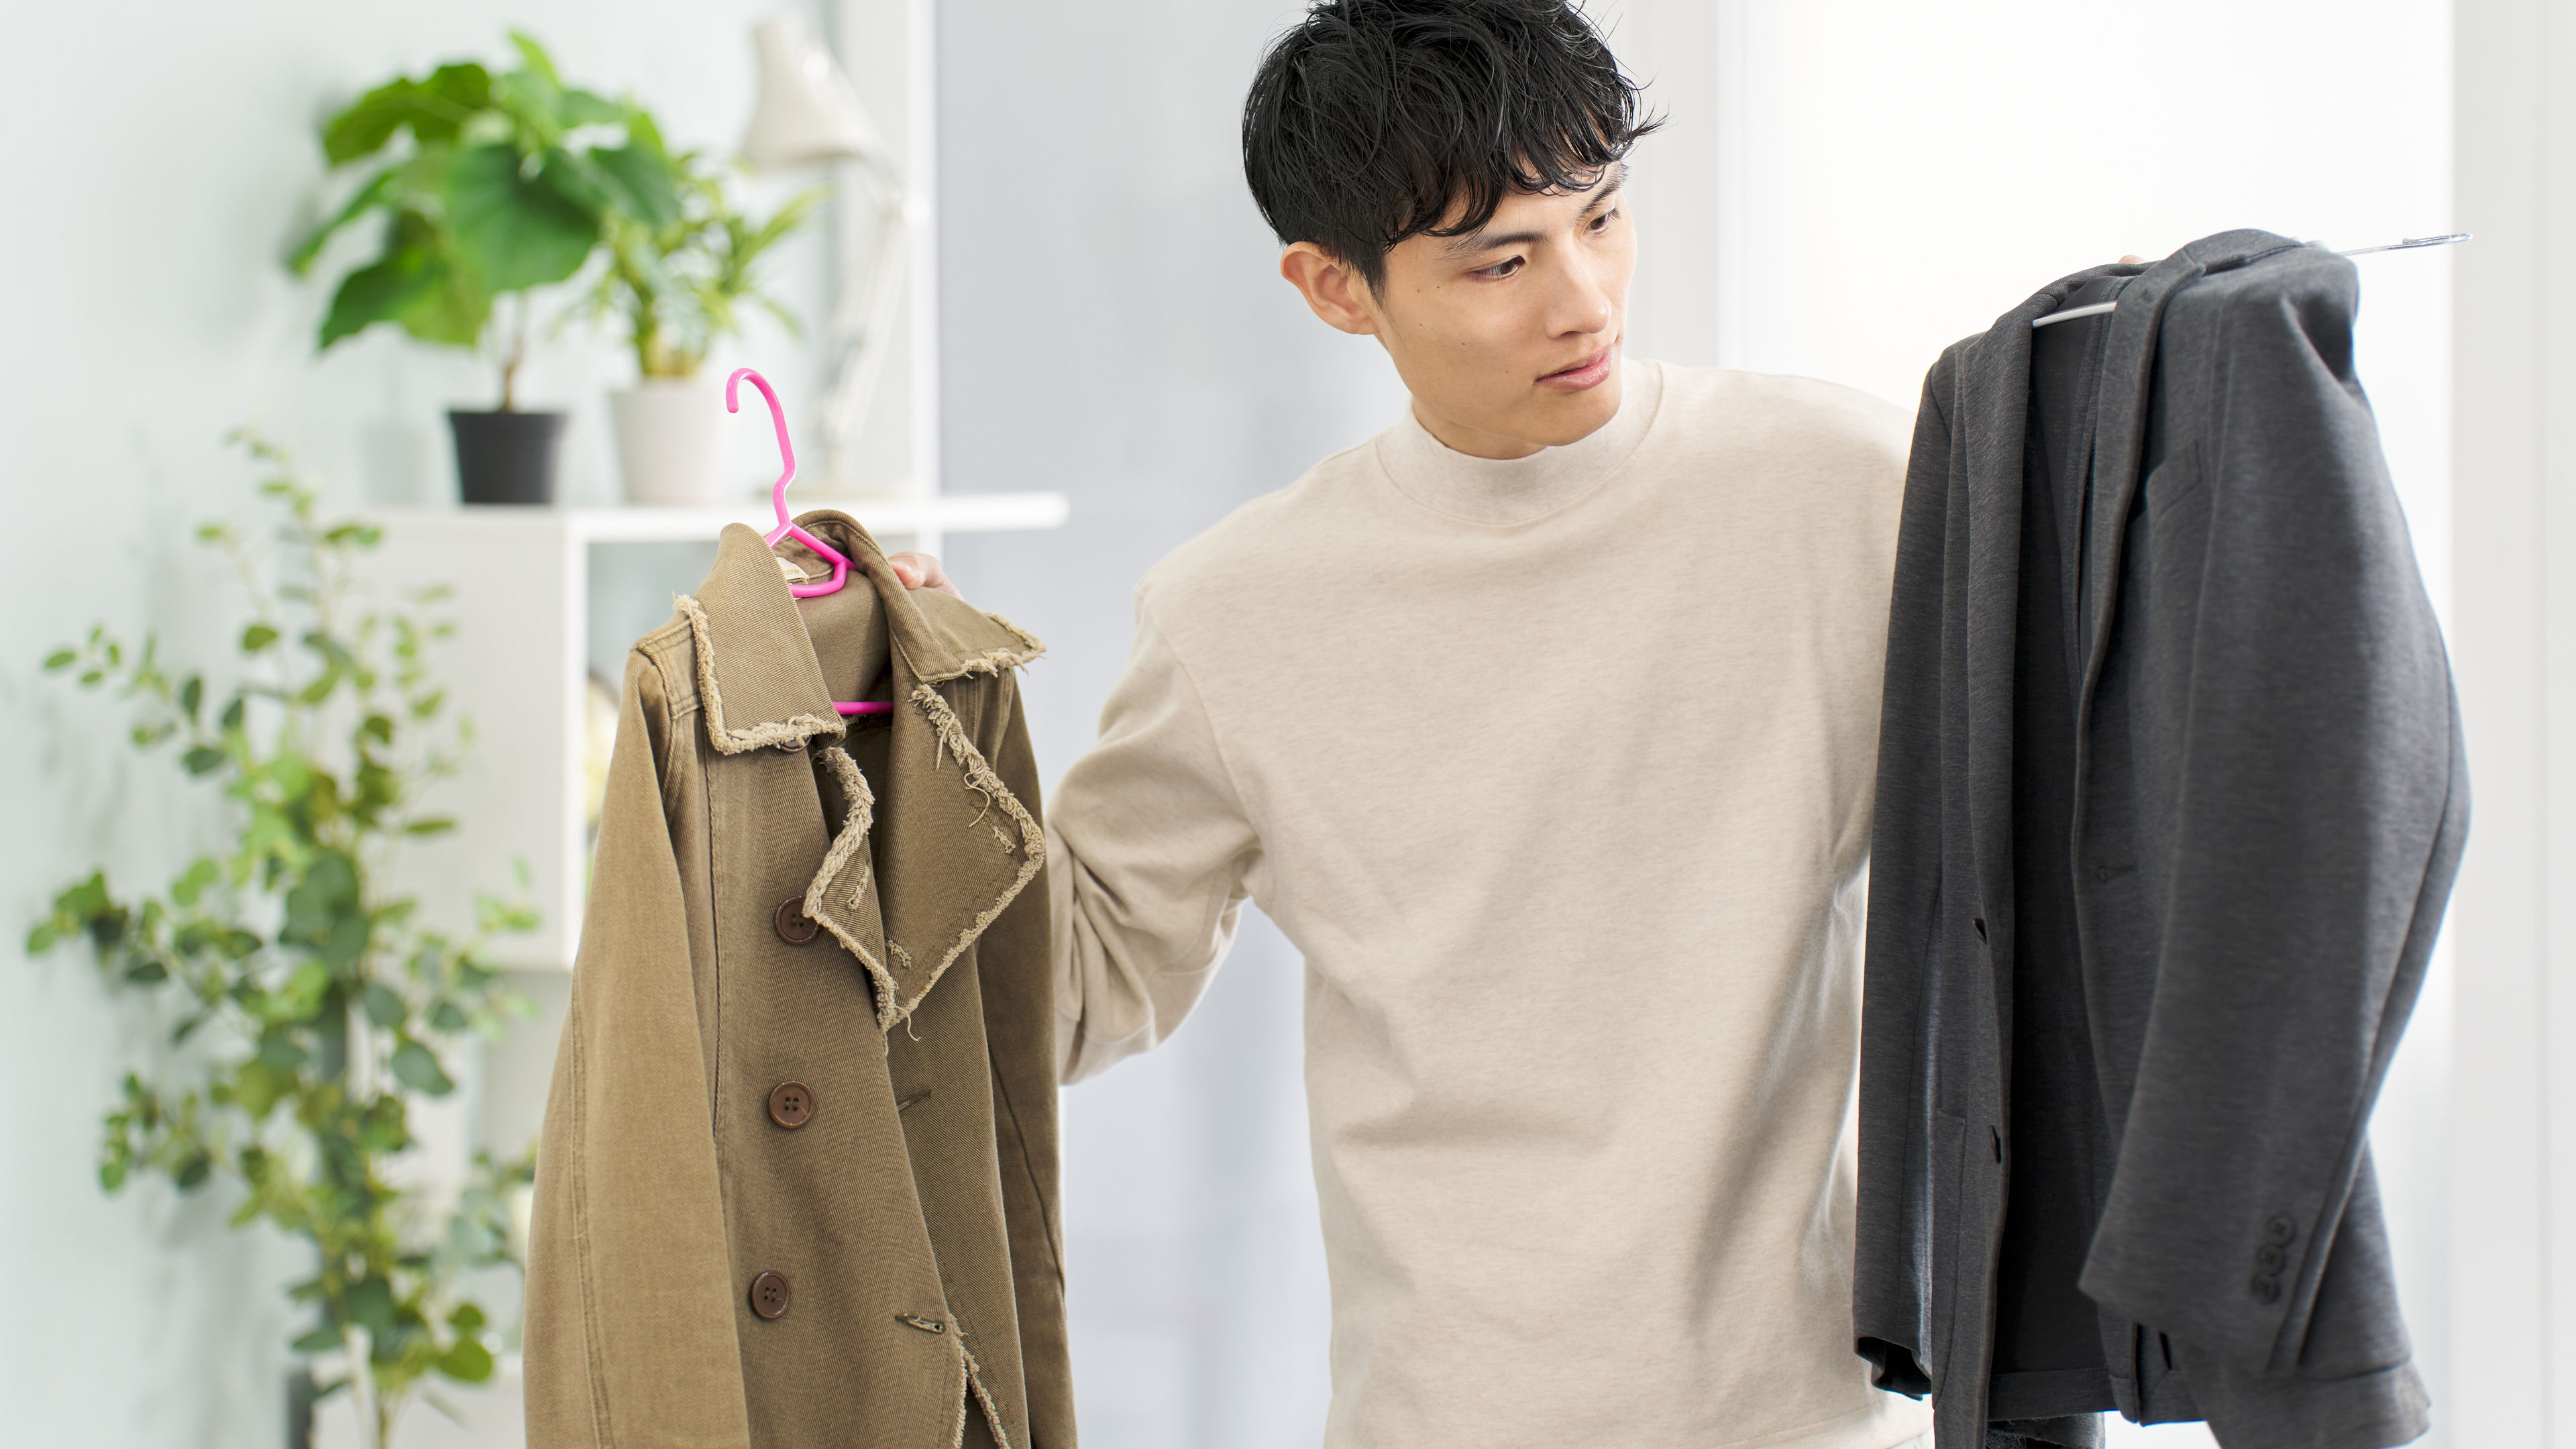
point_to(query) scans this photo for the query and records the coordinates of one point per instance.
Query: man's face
(1508, 337)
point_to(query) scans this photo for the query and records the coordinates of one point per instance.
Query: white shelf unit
(518, 664)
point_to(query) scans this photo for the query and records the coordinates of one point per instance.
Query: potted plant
(488, 188)
(678, 284)
(307, 1008)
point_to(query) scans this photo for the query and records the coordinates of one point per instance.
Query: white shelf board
(946, 513)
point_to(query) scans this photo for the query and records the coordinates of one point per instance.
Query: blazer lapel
(1994, 387)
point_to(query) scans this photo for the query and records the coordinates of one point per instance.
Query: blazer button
(2280, 1230)
(2266, 1288)
(770, 1295)
(791, 1105)
(794, 926)
(2269, 1258)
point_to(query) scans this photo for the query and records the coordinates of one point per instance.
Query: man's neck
(1474, 442)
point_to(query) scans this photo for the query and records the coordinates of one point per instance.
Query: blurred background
(1037, 272)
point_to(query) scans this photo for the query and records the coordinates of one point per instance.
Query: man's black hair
(1373, 119)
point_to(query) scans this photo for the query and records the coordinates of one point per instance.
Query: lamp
(809, 115)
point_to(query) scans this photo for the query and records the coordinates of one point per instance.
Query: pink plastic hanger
(839, 561)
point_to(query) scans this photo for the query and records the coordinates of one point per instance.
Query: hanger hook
(778, 420)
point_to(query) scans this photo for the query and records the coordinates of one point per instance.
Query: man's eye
(1500, 269)
(1601, 223)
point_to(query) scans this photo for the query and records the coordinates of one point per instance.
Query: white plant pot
(669, 432)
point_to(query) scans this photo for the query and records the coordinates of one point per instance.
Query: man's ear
(1338, 294)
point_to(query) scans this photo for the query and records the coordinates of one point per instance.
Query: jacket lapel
(930, 857)
(923, 860)
(2120, 432)
(1994, 387)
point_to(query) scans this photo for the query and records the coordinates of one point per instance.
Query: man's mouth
(1584, 375)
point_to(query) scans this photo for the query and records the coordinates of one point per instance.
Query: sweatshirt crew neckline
(1513, 491)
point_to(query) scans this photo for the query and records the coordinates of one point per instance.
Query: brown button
(769, 1295)
(791, 1105)
(794, 926)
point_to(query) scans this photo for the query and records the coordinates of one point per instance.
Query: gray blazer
(2270, 799)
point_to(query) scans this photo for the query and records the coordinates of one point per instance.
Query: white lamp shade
(808, 114)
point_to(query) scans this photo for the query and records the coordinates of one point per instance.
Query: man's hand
(921, 571)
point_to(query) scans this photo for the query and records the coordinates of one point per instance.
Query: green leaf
(257, 637)
(467, 1362)
(328, 891)
(641, 183)
(468, 1318)
(258, 1087)
(385, 1006)
(448, 1018)
(192, 694)
(147, 972)
(111, 1174)
(433, 110)
(60, 659)
(279, 1052)
(325, 1339)
(416, 1066)
(367, 198)
(463, 87)
(232, 716)
(533, 56)
(202, 872)
(193, 1173)
(414, 284)
(430, 825)
(369, 1304)
(513, 230)
(200, 759)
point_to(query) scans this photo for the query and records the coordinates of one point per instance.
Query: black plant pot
(506, 457)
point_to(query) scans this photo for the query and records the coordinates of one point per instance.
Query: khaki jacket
(797, 1184)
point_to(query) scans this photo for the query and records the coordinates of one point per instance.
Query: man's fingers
(2133, 261)
(922, 571)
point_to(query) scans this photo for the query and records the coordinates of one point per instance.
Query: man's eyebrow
(1605, 190)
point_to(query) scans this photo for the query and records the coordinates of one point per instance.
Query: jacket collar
(758, 680)
(923, 863)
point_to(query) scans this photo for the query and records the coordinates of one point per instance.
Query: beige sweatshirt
(1558, 771)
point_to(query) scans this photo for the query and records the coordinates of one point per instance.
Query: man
(1544, 724)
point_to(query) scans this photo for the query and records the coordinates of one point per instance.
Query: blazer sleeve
(630, 1327)
(1151, 849)
(1891, 1270)
(2301, 801)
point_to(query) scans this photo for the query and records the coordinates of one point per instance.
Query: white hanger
(2409, 244)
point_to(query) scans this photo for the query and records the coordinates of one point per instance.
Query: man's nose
(1582, 304)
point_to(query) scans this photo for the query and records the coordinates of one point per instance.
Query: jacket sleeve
(1014, 966)
(1892, 1269)
(2301, 801)
(1151, 850)
(630, 1329)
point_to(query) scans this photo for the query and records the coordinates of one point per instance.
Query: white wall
(2513, 1169)
(164, 160)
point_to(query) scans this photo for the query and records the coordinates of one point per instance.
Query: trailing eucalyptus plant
(488, 186)
(314, 1008)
